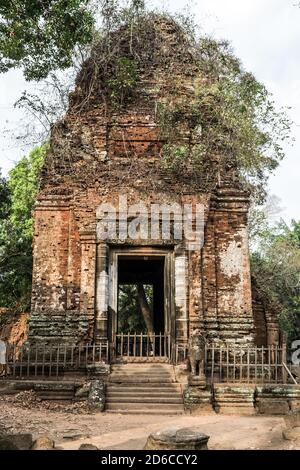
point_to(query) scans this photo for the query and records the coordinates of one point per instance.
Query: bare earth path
(114, 431)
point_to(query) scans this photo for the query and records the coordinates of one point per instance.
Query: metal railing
(234, 364)
(229, 364)
(140, 345)
(43, 360)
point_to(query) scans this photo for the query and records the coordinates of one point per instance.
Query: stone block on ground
(15, 441)
(277, 399)
(88, 447)
(96, 397)
(294, 405)
(43, 443)
(272, 406)
(83, 391)
(292, 419)
(198, 400)
(234, 399)
(177, 438)
(291, 434)
(7, 444)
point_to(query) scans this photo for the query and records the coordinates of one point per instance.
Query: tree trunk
(145, 309)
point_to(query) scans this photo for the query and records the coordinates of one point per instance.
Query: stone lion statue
(196, 352)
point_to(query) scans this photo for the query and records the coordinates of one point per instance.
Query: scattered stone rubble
(29, 399)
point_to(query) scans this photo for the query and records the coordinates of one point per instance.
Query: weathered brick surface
(265, 320)
(98, 153)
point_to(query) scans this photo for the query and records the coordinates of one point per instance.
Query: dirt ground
(72, 426)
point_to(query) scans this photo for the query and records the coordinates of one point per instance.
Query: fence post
(28, 360)
(220, 364)
(276, 362)
(212, 363)
(57, 361)
(248, 365)
(122, 343)
(14, 360)
(160, 343)
(36, 361)
(283, 359)
(269, 361)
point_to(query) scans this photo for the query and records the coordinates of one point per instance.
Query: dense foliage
(17, 196)
(130, 317)
(276, 273)
(40, 36)
(231, 118)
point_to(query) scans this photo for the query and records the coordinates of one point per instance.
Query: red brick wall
(98, 152)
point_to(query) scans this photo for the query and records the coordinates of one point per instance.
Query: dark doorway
(141, 295)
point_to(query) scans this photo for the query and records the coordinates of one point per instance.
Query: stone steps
(55, 391)
(55, 397)
(169, 407)
(139, 370)
(143, 389)
(164, 411)
(143, 379)
(145, 385)
(145, 399)
(144, 367)
(150, 360)
(144, 393)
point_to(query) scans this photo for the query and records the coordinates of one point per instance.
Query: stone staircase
(55, 391)
(143, 389)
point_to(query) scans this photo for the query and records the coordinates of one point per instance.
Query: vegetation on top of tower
(215, 119)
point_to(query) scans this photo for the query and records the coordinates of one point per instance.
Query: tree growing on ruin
(229, 118)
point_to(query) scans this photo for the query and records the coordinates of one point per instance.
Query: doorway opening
(141, 303)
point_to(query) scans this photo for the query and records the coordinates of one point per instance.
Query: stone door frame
(169, 286)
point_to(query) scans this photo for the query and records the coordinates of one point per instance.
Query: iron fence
(244, 364)
(140, 345)
(229, 364)
(47, 360)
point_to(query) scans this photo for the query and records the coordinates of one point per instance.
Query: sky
(264, 34)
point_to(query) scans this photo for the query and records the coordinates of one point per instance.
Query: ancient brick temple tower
(99, 152)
